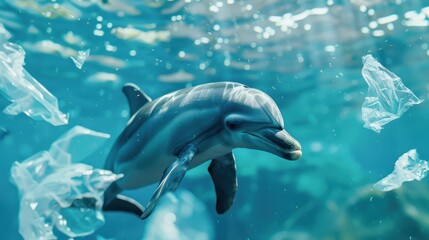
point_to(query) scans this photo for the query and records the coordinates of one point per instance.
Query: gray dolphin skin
(179, 131)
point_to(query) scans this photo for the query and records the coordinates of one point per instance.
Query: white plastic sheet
(408, 167)
(26, 93)
(53, 187)
(387, 99)
(81, 58)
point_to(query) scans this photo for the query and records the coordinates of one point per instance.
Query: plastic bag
(387, 99)
(26, 93)
(408, 167)
(57, 192)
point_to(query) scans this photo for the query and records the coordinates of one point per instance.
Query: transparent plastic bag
(387, 99)
(408, 167)
(26, 93)
(57, 191)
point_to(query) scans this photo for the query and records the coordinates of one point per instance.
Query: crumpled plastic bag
(55, 191)
(387, 99)
(80, 59)
(179, 216)
(408, 167)
(26, 93)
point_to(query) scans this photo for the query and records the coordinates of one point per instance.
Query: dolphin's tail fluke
(115, 202)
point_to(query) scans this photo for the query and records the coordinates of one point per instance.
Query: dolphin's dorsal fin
(136, 97)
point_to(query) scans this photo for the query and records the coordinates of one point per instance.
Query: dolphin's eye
(232, 125)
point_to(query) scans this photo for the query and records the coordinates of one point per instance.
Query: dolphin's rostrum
(181, 130)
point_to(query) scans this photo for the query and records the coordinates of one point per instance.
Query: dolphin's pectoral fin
(136, 97)
(124, 204)
(172, 177)
(223, 173)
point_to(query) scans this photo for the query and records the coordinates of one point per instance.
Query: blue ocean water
(305, 54)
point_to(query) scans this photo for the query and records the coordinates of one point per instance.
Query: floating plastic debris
(81, 58)
(57, 191)
(387, 99)
(408, 167)
(179, 216)
(26, 93)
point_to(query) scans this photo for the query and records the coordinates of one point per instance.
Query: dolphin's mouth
(279, 142)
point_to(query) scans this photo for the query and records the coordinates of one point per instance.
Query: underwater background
(307, 55)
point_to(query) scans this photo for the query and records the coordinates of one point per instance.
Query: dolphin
(166, 137)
